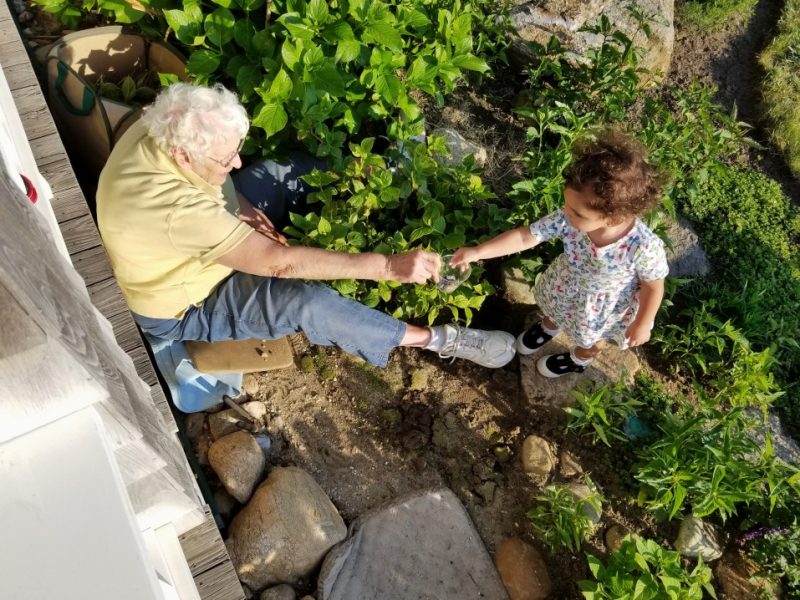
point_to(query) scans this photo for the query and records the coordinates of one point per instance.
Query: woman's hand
(463, 257)
(638, 333)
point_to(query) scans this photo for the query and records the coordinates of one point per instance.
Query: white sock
(548, 331)
(438, 339)
(578, 361)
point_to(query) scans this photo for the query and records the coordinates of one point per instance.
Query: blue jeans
(246, 306)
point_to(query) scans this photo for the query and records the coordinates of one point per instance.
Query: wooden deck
(203, 547)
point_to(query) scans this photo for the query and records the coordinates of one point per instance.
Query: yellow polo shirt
(164, 227)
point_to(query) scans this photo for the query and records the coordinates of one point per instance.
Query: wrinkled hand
(413, 267)
(463, 257)
(637, 333)
(261, 223)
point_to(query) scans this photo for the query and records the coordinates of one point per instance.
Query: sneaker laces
(462, 339)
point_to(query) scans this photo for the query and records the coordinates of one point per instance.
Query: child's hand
(638, 333)
(463, 257)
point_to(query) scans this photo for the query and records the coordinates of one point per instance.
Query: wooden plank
(125, 331)
(107, 297)
(33, 111)
(92, 265)
(48, 149)
(203, 546)
(12, 51)
(80, 234)
(144, 368)
(219, 583)
(162, 404)
(68, 203)
(20, 76)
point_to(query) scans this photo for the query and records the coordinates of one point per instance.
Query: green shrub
(417, 203)
(707, 459)
(316, 71)
(781, 87)
(643, 570)
(560, 519)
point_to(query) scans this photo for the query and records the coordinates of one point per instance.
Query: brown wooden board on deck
(209, 563)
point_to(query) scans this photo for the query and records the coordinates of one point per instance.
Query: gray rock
(686, 258)
(539, 20)
(568, 466)
(224, 423)
(607, 367)
(421, 546)
(537, 456)
(257, 409)
(239, 462)
(523, 571)
(783, 446)
(614, 536)
(279, 592)
(194, 424)
(518, 290)
(582, 491)
(284, 531)
(698, 538)
(460, 148)
(741, 586)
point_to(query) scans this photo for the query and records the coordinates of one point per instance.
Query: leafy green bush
(708, 460)
(602, 410)
(781, 87)
(317, 71)
(418, 203)
(561, 519)
(643, 570)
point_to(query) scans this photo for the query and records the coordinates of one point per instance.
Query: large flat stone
(422, 546)
(607, 367)
(539, 20)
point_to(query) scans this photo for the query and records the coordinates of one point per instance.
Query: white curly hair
(195, 118)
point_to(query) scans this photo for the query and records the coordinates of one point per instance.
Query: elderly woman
(199, 260)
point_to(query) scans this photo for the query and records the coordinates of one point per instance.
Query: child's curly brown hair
(614, 167)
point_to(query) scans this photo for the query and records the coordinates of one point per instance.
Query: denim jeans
(247, 306)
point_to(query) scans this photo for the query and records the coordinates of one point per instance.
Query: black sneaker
(557, 365)
(531, 340)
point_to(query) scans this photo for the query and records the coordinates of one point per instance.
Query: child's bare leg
(588, 353)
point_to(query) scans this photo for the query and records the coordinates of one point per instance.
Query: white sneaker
(487, 348)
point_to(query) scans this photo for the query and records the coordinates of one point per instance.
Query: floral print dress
(592, 293)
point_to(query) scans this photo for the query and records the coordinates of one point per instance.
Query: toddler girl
(609, 281)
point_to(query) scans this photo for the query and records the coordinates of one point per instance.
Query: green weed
(643, 570)
(561, 519)
(601, 410)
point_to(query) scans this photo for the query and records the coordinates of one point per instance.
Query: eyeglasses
(226, 162)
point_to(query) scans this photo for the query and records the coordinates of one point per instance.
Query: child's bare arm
(509, 242)
(650, 295)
